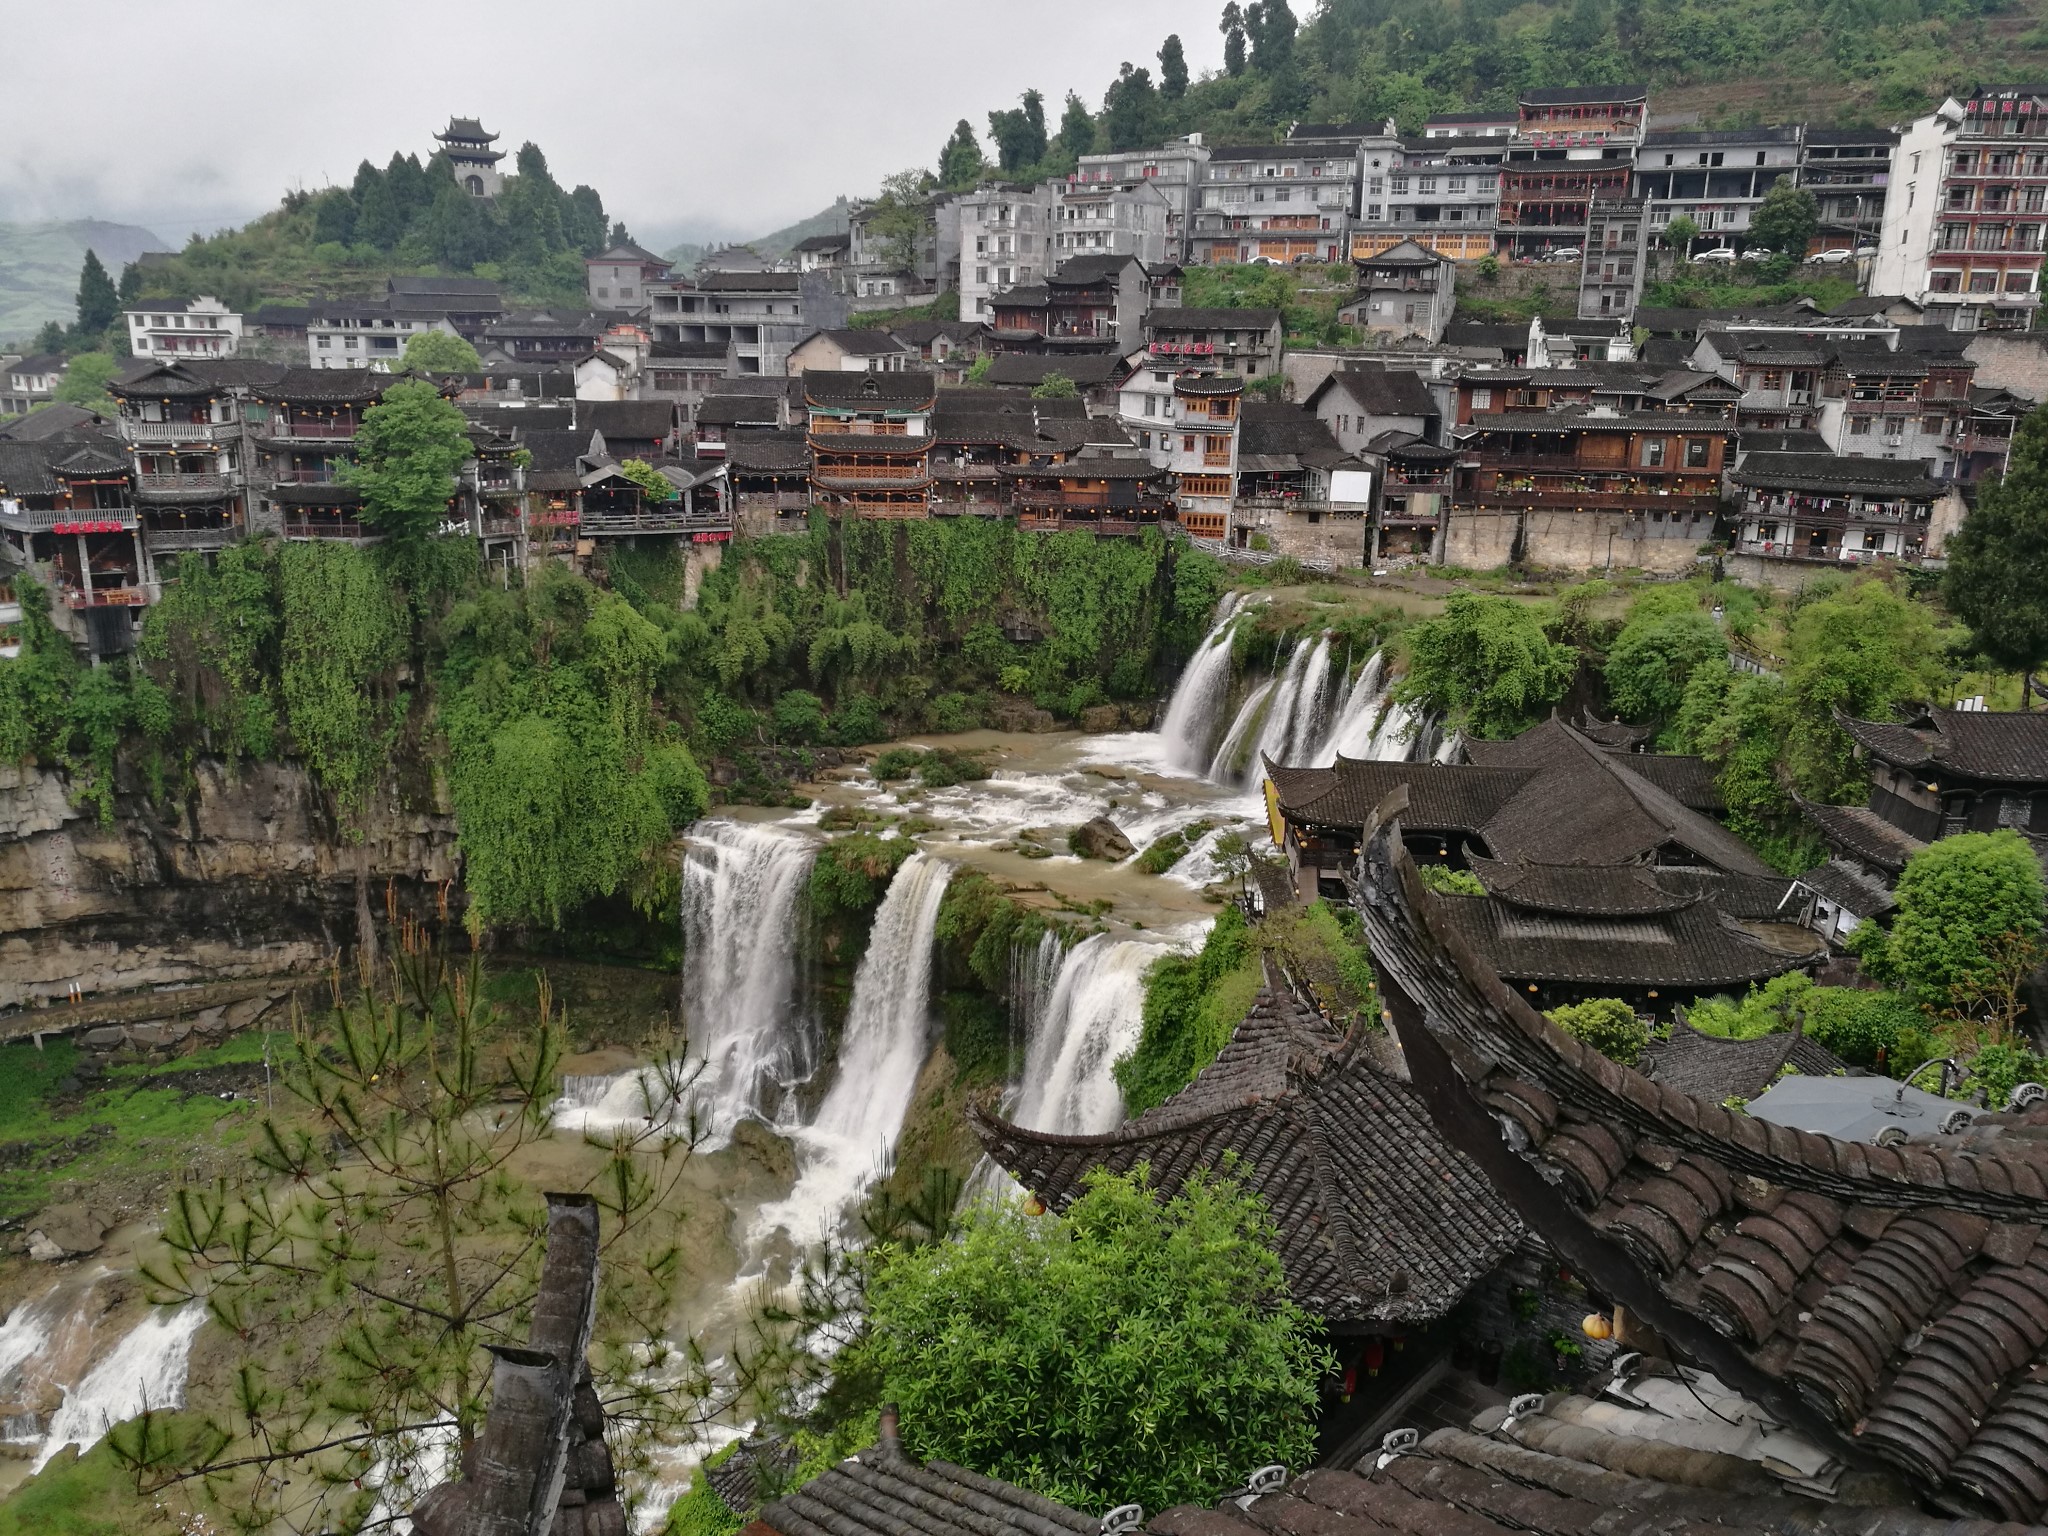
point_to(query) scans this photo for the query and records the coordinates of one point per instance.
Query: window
(1187, 443)
(323, 341)
(1482, 399)
(1399, 185)
(981, 274)
(1695, 453)
(1653, 453)
(603, 292)
(1859, 426)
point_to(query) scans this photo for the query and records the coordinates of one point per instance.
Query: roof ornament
(1521, 1407)
(2026, 1096)
(1125, 1517)
(1270, 1478)
(1399, 1442)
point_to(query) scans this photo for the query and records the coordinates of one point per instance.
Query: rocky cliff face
(246, 876)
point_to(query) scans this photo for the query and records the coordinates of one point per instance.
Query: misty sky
(724, 118)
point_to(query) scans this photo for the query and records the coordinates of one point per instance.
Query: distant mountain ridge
(39, 267)
(835, 220)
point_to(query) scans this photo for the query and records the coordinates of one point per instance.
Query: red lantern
(1374, 1357)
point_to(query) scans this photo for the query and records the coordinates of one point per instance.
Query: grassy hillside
(39, 267)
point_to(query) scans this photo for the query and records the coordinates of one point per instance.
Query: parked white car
(1564, 253)
(1834, 257)
(1719, 254)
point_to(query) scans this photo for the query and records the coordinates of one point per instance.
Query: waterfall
(881, 1052)
(1394, 739)
(1228, 766)
(1093, 1016)
(1311, 709)
(1351, 732)
(1034, 974)
(742, 886)
(26, 1333)
(145, 1370)
(1191, 715)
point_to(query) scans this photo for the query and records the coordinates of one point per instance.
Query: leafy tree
(584, 224)
(799, 717)
(1271, 27)
(1173, 69)
(1485, 666)
(1012, 1350)
(960, 162)
(619, 234)
(1997, 577)
(456, 229)
(1679, 235)
(1232, 28)
(1607, 1024)
(1862, 651)
(362, 1288)
(979, 370)
(380, 217)
(131, 283)
(901, 217)
(1956, 899)
(1055, 386)
(410, 446)
(440, 351)
(334, 217)
(1020, 133)
(1653, 658)
(85, 382)
(99, 306)
(654, 485)
(341, 643)
(1130, 107)
(1077, 128)
(1787, 219)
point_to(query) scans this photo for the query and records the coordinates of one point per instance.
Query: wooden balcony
(285, 430)
(352, 532)
(66, 519)
(665, 518)
(1639, 502)
(159, 539)
(181, 484)
(1057, 522)
(137, 431)
(862, 477)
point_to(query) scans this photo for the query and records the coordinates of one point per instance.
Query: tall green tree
(1016, 1346)
(1019, 133)
(1787, 219)
(99, 305)
(380, 217)
(1679, 235)
(1130, 109)
(1173, 69)
(1486, 666)
(410, 446)
(1864, 652)
(1077, 128)
(1997, 576)
(1271, 27)
(1232, 28)
(85, 382)
(1653, 658)
(960, 161)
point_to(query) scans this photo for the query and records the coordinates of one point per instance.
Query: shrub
(1607, 1024)
(1450, 882)
(799, 717)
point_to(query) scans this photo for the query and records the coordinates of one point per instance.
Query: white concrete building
(1131, 218)
(1175, 168)
(365, 333)
(1005, 241)
(179, 329)
(1966, 211)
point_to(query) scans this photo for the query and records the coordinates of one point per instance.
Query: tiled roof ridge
(1411, 942)
(1660, 805)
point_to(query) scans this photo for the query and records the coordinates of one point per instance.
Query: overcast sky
(723, 117)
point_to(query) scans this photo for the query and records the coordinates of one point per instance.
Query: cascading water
(741, 887)
(1034, 974)
(881, 1051)
(1296, 699)
(1231, 759)
(1312, 708)
(1351, 732)
(145, 1370)
(1094, 1015)
(1197, 703)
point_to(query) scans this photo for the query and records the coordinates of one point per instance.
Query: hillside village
(1252, 840)
(1601, 434)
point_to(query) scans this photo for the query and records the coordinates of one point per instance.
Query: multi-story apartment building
(1005, 240)
(870, 436)
(760, 315)
(1114, 218)
(170, 328)
(1443, 192)
(1470, 125)
(1716, 178)
(1616, 256)
(1966, 211)
(1571, 145)
(1278, 202)
(1847, 169)
(188, 431)
(66, 512)
(1880, 403)
(619, 277)
(366, 333)
(1175, 169)
(1091, 304)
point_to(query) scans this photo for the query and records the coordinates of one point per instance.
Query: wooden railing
(880, 474)
(191, 538)
(296, 528)
(182, 482)
(137, 431)
(325, 431)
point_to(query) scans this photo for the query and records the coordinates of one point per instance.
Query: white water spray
(1351, 732)
(145, 1370)
(1287, 718)
(1232, 758)
(881, 1052)
(1094, 1016)
(1193, 712)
